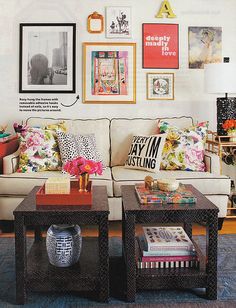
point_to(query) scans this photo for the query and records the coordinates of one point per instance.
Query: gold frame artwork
(109, 73)
(95, 16)
(165, 91)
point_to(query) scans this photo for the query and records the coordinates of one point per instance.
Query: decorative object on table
(156, 196)
(205, 46)
(81, 168)
(57, 185)
(165, 10)
(95, 23)
(160, 45)
(220, 78)
(64, 244)
(161, 184)
(3, 128)
(47, 58)
(184, 147)
(230, 127)
(145, 152)
(160, 86)
(20, 128)
(109, 73)
(118, 22)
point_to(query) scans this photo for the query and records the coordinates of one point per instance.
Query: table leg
(188, 229)
(37, 234)
(104, 259)
(130, 257)
(20, 259)
(212, 235)
(123, 234)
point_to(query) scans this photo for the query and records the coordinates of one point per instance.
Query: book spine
(168, 264)
(168, 253)
(168, 258)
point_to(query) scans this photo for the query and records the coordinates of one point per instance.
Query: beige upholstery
(113, 139)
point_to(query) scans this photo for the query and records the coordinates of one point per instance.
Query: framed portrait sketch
(109, 73)
(47, 58)
(160, 45)
(205, 46)
(118, 22)
(160, 86)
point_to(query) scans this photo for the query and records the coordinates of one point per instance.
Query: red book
(168, 258)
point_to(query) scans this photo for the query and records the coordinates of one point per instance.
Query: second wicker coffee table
(203, 212)
(33, 270)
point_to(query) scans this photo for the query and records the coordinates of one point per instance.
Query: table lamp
(221, 78)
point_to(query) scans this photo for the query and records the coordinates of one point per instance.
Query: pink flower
(80, 165)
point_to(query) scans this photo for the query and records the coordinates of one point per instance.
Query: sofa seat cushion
(21, 184)
(207, 183)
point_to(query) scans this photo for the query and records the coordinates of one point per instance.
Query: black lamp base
(226, 109)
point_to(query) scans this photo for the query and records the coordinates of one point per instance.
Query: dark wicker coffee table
(33, 270)
(203, 212)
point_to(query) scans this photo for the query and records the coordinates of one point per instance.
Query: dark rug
(147, 299)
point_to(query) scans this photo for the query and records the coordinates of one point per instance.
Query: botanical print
(118, 21)
(160, 86)
(205, 46)
(109, 73)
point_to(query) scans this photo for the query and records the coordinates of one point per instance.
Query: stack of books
(166, 247)
(147, 196)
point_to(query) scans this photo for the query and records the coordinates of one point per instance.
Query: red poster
(160, 45)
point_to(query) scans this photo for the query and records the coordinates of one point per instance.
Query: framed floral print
(160, 86)
(47, 58)
(109, 73)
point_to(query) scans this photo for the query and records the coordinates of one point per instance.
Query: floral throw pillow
(184, 148)
(38, 151)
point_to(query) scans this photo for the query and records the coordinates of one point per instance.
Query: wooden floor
(229, 227)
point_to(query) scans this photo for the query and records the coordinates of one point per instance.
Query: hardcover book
(181, 195)
(167, 238)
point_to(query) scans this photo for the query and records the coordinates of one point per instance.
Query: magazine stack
(166, 247)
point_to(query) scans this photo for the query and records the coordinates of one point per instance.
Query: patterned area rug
(162, 298)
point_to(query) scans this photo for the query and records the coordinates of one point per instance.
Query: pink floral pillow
(38, 151)
(184, 148)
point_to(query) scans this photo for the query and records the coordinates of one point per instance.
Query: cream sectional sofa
(113, 137)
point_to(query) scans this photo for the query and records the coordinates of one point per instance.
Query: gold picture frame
(95, 23)
(109, 73)
(160, 86)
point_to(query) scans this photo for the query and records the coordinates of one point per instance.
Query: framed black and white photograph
(160, 86)
(118, 22)
(47, 58)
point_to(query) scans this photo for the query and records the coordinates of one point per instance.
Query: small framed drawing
(160, 45)
(160, 86)
(118, 22)
(109, 73)
(47, 58)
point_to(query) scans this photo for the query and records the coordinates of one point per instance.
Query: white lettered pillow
(145, 152)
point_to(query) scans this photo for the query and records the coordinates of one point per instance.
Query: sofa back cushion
(123, 130)
(98, 127)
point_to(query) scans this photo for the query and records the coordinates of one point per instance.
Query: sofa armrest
(11, 162)
(212, 162)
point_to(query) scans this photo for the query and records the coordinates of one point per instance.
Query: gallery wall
(190, 98)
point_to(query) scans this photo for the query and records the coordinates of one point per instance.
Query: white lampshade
(220, 78)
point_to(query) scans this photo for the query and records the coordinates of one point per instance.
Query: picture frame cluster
(48, 57)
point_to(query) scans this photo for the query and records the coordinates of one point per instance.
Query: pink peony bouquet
(79, 166)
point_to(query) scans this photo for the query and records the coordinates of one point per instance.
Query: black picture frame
(47, 56)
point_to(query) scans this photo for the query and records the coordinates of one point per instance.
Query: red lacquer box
(74, 198)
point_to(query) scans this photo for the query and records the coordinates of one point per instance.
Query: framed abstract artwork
(160, 45)
(47, 58)
(160, 86)
(109, 73)
(205, 46)
(118, 22)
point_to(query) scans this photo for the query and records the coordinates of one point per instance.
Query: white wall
(190, 98)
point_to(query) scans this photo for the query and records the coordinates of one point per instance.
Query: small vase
(63, 244)
(83, 181)
(232, 135)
